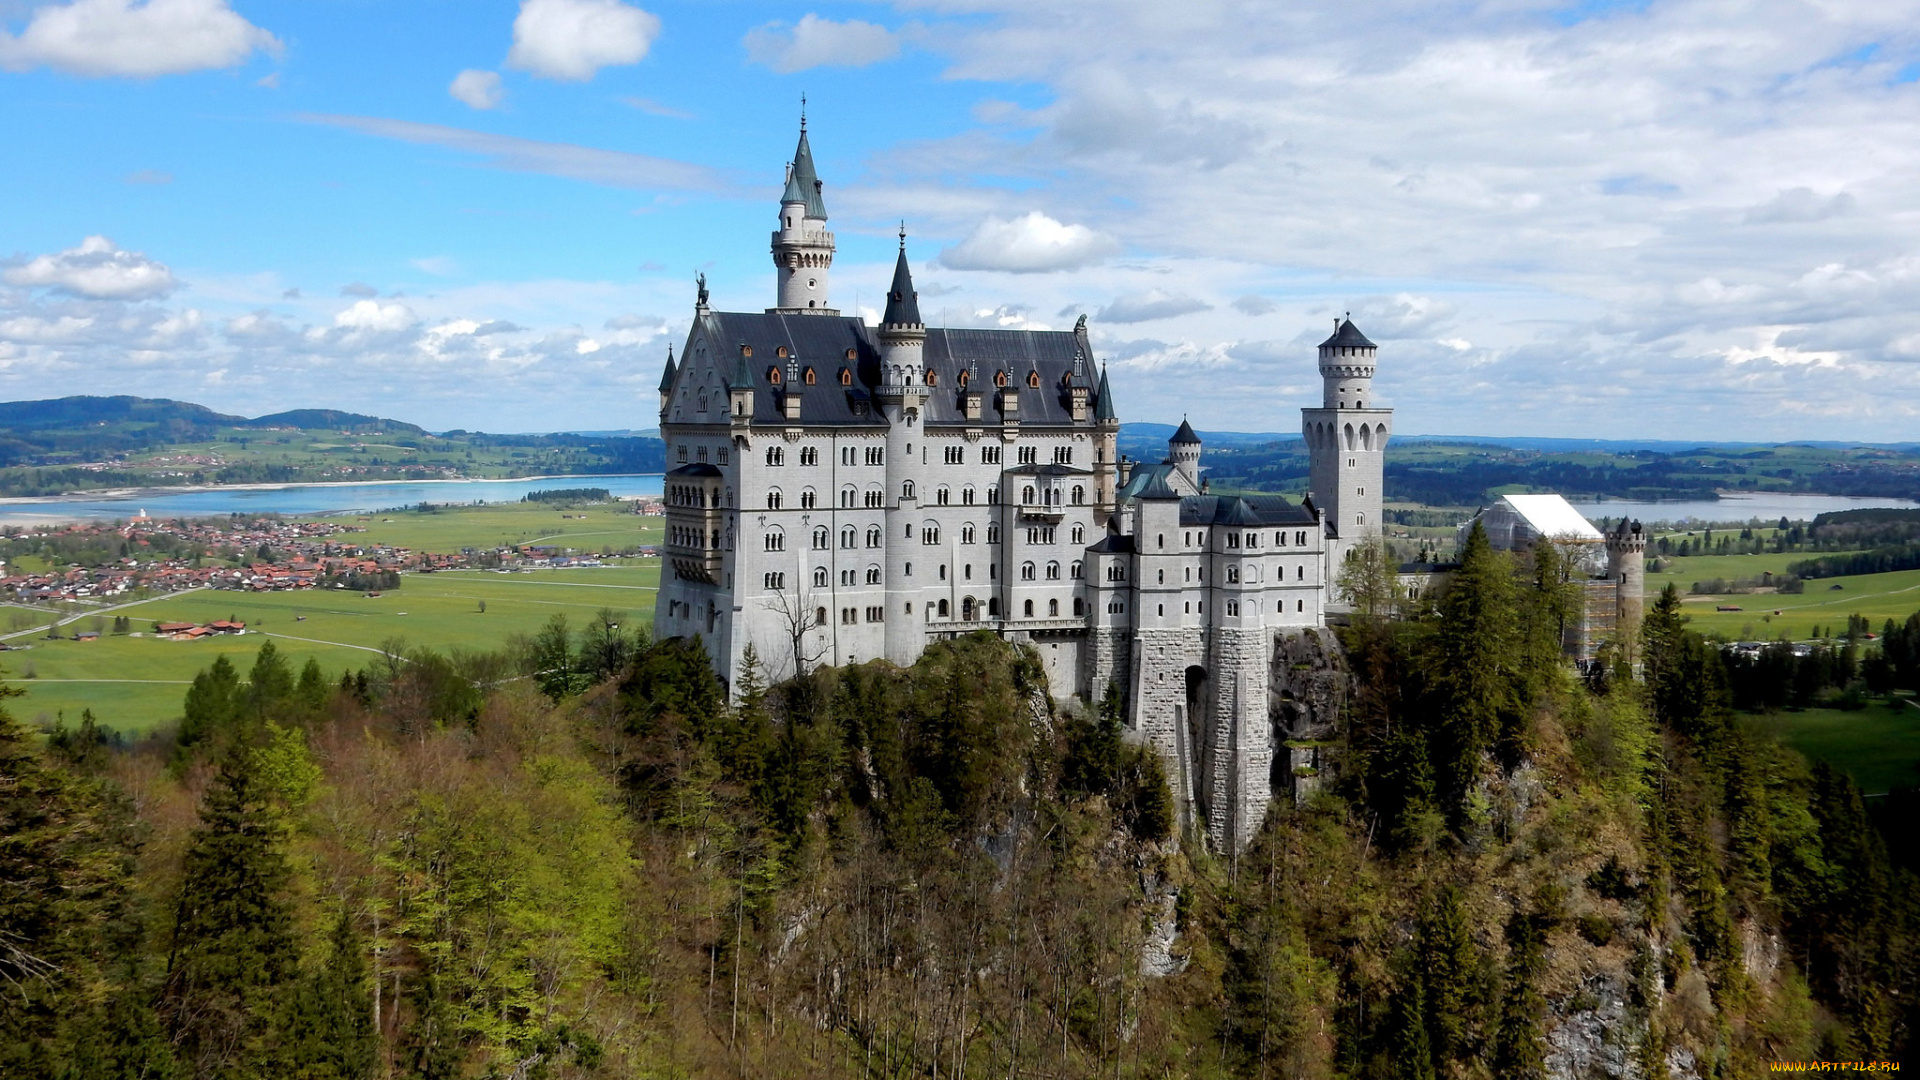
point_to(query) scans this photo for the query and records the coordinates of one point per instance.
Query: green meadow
(136, 683)
(1879, 746)
(1879, 597)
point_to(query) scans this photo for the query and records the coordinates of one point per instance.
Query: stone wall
(1308, 686)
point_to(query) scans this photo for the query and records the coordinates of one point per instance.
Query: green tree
(213, 704)
(556, 667)
(1518, 1049)
(312, 690)
(1412, 1048)
(1450, 966)
(1370, 581)
(232, 944)
(270, 681)
(1474, 666)
(326, 1027)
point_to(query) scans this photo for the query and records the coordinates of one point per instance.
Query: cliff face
(1308, 686)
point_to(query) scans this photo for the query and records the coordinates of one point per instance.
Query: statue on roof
(700, 279)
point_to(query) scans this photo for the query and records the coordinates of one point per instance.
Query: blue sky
(1635, 220)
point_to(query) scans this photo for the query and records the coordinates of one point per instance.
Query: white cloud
(1030, 244)
(135, 39)
(613, 168)
(1150, 305)
(574, 39)
(1252, 304)
(96, 270)
(816, 42)
(477, 89)
(376, 316)
(1800, 205)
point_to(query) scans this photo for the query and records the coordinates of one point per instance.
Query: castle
(838, 493)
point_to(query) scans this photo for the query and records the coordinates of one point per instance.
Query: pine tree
(1517, 1049)
(1474, 670)
(1449, 959)
(1412, 1047)
(232, 944)
(124, 1041)
(311, 693)
(270, 682)
(326, 1030)
(212, 704)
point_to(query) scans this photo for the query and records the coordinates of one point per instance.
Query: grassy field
(1878, 746)
(1877, 596)
(587, 528)
(135, 683)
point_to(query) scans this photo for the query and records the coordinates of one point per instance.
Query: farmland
(1826, 602)
(134, 683)
(1879, 746)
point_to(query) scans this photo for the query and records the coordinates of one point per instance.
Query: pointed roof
(1347, 336)
(903, 304)
(1157, 488)
(666, 377)
(742, 377)
(804, 181)
(1103, 399)
(1185, 435)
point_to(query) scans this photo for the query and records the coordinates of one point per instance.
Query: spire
(1347, 336)
(1103, 399)
(666, 377)
(1185, 435)
(742, 377)
(903, 304)
(803, 181)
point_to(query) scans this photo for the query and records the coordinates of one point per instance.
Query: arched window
(1053, 609)
(773, 373)
(1053, 571)
(821, 538)
(1026, 571)
(873, 575)
(775, 539)
(876, 498)
(849, 497)
(967, 611)
(993, 533)
(1233, 607)
(1026, 495)
(773, 498)
(1079, 534)
(1079, 495)
(1359, 519)
(846, 536)
(776, 456)
(819, 577)
(1079, 607)
(1075, 571)
(943, 609)
(1233, 575)
(966, 534)
(906, 489)
(819, 616)
(1033, 379)
(1028, 609)
(993, 494)
(999, 378)
(808, 499)
(941, 495)
(966, 495)
(873, 536)
(930, 533)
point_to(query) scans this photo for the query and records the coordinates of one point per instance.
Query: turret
(740, 389)
(1183, 450)
(1106, 466)
(1627, 567)
(1346, 367)
(802, 246)
(666, 381)
(903, 336)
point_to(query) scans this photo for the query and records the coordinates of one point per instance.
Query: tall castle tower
(802, 246)
(1346, 440)
(902, 396)
(1627, 567)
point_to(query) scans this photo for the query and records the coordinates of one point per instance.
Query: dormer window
(773, 375)
(746, 350)
(851, 354)
(781, 352)
(999, 378)
(846, 375)
(807, 376)
(1033, 379)
(933, 378)
(964, 380)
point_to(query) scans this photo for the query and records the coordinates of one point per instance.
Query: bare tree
(799, 617)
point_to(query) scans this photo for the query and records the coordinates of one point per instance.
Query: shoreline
(134, 494)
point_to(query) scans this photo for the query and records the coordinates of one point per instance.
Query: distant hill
(334, 420)
(69, 429)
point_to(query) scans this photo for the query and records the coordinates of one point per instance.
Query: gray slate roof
(1239, 511)
(1185, 435)
(903, 304)
(1347, 336)
(806, 179)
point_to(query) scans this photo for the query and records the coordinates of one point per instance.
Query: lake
(1737, 508)
(305, 499)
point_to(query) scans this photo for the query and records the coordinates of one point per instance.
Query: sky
(1677, 220)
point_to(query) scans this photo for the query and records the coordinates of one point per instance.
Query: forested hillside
(574, 859)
